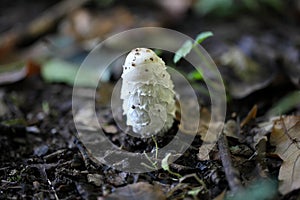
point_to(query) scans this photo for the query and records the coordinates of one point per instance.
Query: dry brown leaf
(251, 115)
(286, 137)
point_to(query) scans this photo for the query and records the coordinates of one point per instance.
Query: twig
(232, 174)
(89, 161)
(53, 190)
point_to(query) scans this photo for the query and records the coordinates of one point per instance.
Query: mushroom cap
(141, 56)
(147, 92)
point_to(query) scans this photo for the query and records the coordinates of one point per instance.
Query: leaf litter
(285, 136)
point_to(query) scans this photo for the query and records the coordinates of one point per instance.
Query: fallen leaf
(57, 70)
(285, 136)
(259, 137)
(251, 115)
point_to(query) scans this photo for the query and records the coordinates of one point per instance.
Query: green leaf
(195, 75)
(203, 36)
(188, 45)
(183, 51)
(164, 162)
(285, 104)
(195, 191)
(56, 70)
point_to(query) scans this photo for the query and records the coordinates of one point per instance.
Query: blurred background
(255, 43)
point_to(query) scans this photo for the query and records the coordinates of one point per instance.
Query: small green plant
(153, 164)
(189, 45)
(165, 166)
(186, 49)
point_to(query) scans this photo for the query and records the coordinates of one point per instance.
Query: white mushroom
(147, 92)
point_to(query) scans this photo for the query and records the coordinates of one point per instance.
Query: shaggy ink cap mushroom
(147, 93)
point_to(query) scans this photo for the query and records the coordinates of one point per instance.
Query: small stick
(89, 161)
(53, 190)
(232, 174)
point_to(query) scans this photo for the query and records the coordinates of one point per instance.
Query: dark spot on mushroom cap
(137, 53)
(137, 49)
(133, 106)
(151, 59)
(146, 70)
(133, 64)
(125, 67)
(148, 50)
